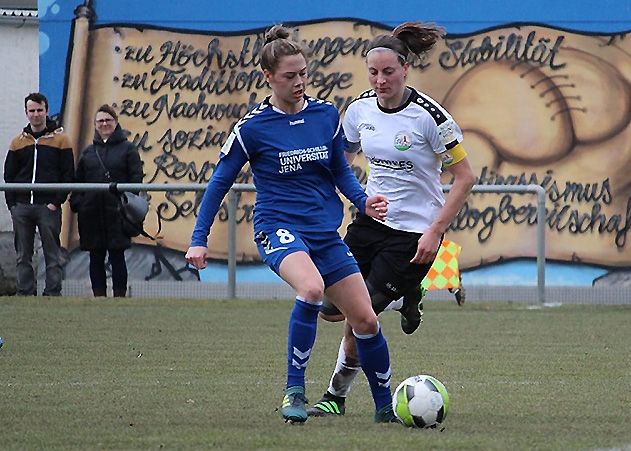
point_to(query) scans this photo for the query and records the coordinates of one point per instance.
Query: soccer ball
(421, 402)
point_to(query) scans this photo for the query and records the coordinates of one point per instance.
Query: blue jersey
(297, 161)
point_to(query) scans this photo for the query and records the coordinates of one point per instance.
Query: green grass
(181, 374)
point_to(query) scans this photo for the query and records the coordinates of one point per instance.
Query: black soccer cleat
(412, 310)
(329, 405)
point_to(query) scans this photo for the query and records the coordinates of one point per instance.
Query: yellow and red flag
(444, 273)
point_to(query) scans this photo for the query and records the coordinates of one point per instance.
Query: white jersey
(405, 148)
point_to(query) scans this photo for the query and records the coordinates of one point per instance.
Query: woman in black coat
(110, 158)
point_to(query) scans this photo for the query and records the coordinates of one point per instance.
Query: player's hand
(51, 207)
(427, 248)
(196, 256)
(377, 206)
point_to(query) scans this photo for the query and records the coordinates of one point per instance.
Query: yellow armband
(453, 155)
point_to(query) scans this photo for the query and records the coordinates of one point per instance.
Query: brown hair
(414, 37)
(36, 97)
(105, 108)
(277, 44)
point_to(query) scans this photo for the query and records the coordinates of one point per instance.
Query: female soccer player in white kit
(408, 139)
(295, 147)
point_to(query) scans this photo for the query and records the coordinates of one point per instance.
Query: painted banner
(536, 105)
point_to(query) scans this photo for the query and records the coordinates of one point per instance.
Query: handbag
(132, 207)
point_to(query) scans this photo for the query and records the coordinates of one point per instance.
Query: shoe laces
(297, 399)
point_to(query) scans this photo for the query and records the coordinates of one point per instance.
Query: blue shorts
(327, 250)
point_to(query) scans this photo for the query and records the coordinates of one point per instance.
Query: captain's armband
(453, 155)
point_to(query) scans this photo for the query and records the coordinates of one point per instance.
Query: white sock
(346, 369)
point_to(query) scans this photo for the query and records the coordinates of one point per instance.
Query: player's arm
(446, 141)
(347, 183)
(344, 178)
(351, 151)
(230, 163)
(374, 206)
(351, 133)
(458, 166)
(464, 179)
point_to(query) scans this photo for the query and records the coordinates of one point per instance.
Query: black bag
(132, 207)
(133, 210)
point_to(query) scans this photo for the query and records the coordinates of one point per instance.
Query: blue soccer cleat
(293, 407)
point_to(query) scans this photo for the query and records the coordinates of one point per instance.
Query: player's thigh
(285, 252)
(364, 241)
(391, 272)
(331, 256)
(275, 243)
(299, 271)
(350, 296)
(330, 312)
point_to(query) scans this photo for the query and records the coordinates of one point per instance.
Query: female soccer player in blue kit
(295, 147)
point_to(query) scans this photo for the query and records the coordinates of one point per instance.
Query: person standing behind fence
(42, 153)
(110, 158)
(295, 147)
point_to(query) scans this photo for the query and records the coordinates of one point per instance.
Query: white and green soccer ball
(421, 402)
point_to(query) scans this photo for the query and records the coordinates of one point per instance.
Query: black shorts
(383, 255)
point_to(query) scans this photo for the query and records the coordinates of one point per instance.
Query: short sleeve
(349, 123)
(443, 136)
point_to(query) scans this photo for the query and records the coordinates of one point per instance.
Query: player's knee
(312, 290)
(329, 312)
(378, 299)
(331, 317)
(366, 324)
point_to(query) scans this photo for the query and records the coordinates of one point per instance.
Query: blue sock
(375, 361)
(303, 323)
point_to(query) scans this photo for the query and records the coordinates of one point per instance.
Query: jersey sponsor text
(291, 159)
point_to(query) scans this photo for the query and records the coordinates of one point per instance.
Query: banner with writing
(536, 105)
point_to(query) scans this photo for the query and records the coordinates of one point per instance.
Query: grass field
(179, 374)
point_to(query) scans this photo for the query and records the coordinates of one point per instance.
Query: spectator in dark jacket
(110, 158)
(40, 154)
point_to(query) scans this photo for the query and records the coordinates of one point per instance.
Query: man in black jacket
(40, 154)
